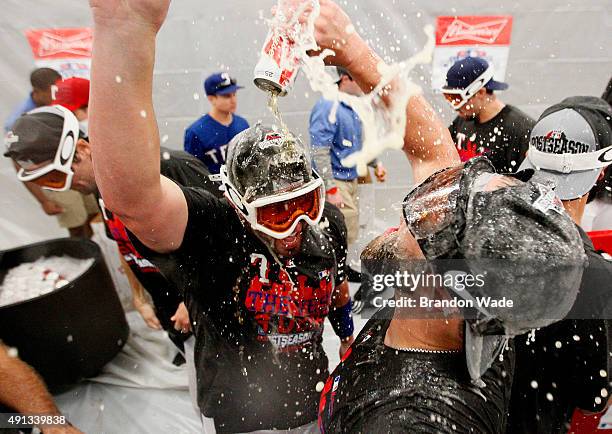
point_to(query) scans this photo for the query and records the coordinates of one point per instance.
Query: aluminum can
(278, 64)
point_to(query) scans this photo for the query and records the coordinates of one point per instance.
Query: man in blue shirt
(41, 79)
(207, 138)
(333, 142)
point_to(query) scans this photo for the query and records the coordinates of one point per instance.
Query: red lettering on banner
(60, 43)
(473, 30)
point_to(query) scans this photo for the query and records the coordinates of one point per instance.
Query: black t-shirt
(377, 389)
(569, 360)
(259, 353)
(503, 139)
(185, 170)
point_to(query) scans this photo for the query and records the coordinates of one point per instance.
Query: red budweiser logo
(59, 43)
(484, 33)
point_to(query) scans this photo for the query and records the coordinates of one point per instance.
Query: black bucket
(70, 333)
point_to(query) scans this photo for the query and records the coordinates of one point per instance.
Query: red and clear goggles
(278, 215)
(457, 98)
(58, 175)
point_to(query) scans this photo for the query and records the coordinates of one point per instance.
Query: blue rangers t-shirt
(207, 139)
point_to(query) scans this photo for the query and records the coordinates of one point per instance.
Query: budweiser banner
(477, 36)
(67, 50)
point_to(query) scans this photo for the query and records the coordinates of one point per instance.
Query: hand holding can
(291, 33)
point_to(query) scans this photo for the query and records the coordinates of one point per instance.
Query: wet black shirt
(186, 170)
(259, 353)
(504, 139)
(566, 365)
(377, 389)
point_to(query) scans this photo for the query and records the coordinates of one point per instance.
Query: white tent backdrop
(558, 49)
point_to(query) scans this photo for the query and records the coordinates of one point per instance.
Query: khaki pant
(77, 207)
(350, 196)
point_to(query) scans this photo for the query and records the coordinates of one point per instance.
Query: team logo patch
(273, 136)
(547, 201)
(336, 383)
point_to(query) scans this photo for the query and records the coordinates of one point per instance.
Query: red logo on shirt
(467, 148)
(289, 317)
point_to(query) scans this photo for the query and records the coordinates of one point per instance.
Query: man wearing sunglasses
(484, 124)
(208, 137)
(72, 210)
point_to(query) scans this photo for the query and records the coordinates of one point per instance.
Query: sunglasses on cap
(457, 98)
(568, 162)
(278, 215)
(58, 175)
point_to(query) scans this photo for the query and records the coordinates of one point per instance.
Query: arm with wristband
(341, 316)
(340, 310)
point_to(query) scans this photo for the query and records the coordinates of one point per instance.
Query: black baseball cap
(34, 138)
(466, 71)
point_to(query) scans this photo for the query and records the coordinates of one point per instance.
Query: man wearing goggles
(261, 268)
(52, 152)
(449, 373)
(484, 124)
(49, 131)
(208, 137)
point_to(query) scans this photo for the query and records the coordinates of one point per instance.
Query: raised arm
(427, 142)
(122, 125)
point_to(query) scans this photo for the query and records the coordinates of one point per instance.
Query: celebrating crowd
(243, 278)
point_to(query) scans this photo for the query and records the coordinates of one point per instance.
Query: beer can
(278, 64)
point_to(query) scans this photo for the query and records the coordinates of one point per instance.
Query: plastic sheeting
(142, 391)
(139, 391)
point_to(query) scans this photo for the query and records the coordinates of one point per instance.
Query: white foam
(384, 122)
